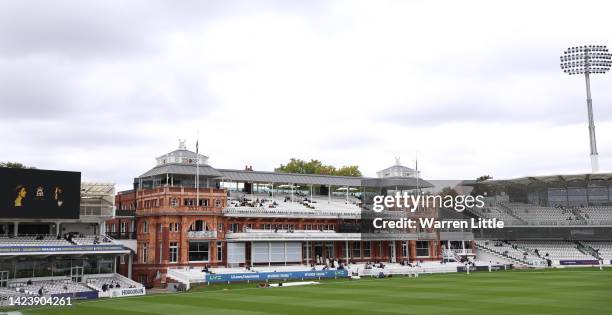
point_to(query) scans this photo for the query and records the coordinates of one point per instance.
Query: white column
(329, 193)
(130, 265)
(16, 227)
(292, 192)
(347, 252)
(347, 190)
(102, 229)
(311, 192)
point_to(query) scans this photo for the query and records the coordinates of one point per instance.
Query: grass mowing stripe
(572, 291)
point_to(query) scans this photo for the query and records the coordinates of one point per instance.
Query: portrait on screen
(21, 194)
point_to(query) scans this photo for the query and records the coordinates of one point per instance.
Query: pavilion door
(76, 274)
(318, 251)
(392, 253)
(4, 279)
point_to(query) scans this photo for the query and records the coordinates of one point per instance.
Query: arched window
(199, 225)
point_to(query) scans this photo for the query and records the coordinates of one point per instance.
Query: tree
(482, 189)
(317, 167)
(483, 178)
(14, 165)
(351, 170)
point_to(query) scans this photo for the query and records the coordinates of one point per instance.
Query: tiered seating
(320, 203)
(597, 214)
(556, 250)
(539, 215)
(603, 248)
(91, 240)
(264, 205)
(48, 286)
(285, 212)
(51, 240)
(515, 213)
(33, 241)
(513, 251)
(111, 281)
(494, 212)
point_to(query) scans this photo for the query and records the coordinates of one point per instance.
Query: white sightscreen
(264, 252)
(235, 253)
(294, 251)
(259, 252)
(277, 252)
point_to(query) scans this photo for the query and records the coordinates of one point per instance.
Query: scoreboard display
(40, 194)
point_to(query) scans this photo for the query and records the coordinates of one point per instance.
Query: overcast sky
(104, 87)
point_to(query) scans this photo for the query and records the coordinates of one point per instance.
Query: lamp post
(586, 60)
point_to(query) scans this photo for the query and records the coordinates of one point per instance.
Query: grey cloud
(112, 28)
(34, 89)
(480, 101)
(347, 141)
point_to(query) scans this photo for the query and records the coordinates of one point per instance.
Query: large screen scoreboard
(41, 194)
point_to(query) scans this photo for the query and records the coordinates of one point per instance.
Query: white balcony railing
(286, 212)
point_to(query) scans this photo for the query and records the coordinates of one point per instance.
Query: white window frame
(174, 253)
(145, 253)
(219, 251)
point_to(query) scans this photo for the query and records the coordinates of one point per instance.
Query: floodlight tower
(586, 60)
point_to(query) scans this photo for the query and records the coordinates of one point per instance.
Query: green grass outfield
(565, 291)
